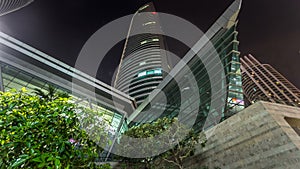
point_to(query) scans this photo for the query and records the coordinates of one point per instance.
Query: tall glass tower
(221, 41)
(143, 63)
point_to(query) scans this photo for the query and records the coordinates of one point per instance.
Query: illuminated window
(142, 63)
(149, 23)
(150, 72)
(237, 101)
(144, 42)
(144, 73)
(158, 71)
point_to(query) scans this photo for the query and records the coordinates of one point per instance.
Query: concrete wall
(258, 137)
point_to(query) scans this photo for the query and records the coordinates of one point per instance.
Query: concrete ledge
(258, 137)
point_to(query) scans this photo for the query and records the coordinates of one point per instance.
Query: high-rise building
(263, 82)
(219, 43)
(143, 64)
(7, 6)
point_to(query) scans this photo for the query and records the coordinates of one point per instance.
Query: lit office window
(142, 63)
(150, 72)
(158, 71)
(149, 23)
(144, 42)
(147, 41)
(144, 73)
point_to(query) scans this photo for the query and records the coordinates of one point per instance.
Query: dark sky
(268, 29)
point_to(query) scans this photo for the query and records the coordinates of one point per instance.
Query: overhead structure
(8, 6)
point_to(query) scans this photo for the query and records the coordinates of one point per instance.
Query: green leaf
(41, 165)
(31, 150)
(28, 144)
(13, 90)
(19, 162)
(50, 158)
(62, 148)
(37, 159)
(24, 156)
(57, 163)
(12, 105)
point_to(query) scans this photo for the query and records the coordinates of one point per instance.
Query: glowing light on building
(150, 72)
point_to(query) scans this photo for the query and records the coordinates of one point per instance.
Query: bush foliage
(37, 132)
(171, 159)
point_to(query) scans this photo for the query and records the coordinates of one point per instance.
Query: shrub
(44, 133)
(172, 158)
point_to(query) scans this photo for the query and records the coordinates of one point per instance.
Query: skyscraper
(219, 43)
(263, 82)
(7, 6)
(143, 64)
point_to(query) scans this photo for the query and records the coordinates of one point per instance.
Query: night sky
(268, 29)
